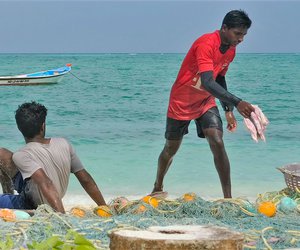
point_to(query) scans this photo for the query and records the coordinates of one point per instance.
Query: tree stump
(176, 238)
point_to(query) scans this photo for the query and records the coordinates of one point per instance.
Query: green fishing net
(261, 232)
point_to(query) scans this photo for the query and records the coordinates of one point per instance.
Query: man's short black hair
(30, 117)
(237, 19)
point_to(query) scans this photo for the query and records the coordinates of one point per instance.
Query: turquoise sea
(115, 118)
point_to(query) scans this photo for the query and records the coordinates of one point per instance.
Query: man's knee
(171, 147)
(5, 154)
(215, 140)
(217, 143)
(6, 163)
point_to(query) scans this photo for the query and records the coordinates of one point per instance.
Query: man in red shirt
(201, 78)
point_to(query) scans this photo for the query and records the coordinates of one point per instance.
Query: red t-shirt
(188, 99)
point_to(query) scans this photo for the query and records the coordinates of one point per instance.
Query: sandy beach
(83, 200)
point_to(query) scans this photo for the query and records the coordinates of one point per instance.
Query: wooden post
(192, 237)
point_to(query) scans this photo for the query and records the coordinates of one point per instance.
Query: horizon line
(135, 53)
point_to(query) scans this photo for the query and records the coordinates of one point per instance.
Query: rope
(80, 78)
(264, 239)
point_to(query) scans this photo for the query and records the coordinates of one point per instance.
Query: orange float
(189, 196)
(141, 209)
(267, 208)
(150, 200)
(78, 212)
(7, 214)
(103, 211)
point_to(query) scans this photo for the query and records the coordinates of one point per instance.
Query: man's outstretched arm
(222, 94)
(90, 186)
(227, 107)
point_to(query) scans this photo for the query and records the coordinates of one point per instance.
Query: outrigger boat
(44, 77)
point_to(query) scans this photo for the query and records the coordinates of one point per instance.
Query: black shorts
(176, 129)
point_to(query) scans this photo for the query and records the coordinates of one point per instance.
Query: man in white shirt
(41, 169)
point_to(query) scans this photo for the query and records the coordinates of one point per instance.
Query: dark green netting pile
(50, 230)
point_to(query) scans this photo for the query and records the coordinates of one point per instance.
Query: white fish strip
(257, 124)
(250, 126)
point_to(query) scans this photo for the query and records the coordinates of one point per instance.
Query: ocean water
(115, 118)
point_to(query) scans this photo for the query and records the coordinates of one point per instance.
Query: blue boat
(51, 76)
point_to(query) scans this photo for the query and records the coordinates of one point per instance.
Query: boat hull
(44, 77)
(31, 81)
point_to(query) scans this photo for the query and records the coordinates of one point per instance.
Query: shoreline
(84, 201)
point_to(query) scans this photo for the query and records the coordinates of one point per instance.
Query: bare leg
(215, 140)
(7, 171)
(164, 161)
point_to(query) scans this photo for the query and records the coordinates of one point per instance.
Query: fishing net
(261, 232)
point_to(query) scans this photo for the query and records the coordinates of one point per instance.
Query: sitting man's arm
(90, 186)
(48, 190)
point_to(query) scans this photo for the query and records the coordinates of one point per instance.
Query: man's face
(233, 36)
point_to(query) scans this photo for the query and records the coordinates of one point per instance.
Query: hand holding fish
(245, 109)
(256, 124)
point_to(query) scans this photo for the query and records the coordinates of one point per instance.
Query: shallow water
(115, 118)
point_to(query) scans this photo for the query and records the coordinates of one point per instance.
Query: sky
(168, 26)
